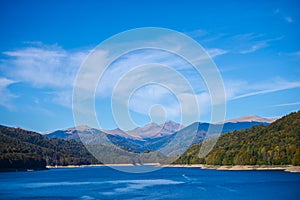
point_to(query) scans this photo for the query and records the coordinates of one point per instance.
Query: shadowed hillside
(26, 149)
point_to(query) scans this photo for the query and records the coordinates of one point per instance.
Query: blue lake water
(167, 183)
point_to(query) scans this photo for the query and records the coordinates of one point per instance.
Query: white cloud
(186, 105)
(247, 37)
(151, 85)
(244, 89)
(131, 72)
(4, 82)
(54, 69)
(62, 97)
(234, 87)
(143, 99)
(296, 54)
(287, 104)
(250, 42)
(214, 52)
(45, 66)
(241, 43)
(6, 95)
(135, 60)
(254, 47)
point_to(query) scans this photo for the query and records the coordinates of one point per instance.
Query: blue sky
(254, 44)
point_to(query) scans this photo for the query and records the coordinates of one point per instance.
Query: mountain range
(250, 118)
(154, 136)
(262, 144)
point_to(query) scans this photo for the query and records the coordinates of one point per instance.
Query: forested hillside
(26, 149)
(275, 144)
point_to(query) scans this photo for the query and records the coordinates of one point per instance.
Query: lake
(168, 183)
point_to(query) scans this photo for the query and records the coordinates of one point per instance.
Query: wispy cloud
(214, 52)
(173, 74)
(205, 37)
(135, 60)
(54, 69)
(152, 84)
(173, 105)
(241, 43)
(286, 104)
(62, 97)
(251, 42)
(261, 88)
(254, 47)
(44, 66)
(296, 54)
(6, 95)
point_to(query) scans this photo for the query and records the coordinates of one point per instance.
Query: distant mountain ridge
(153, 130)
(274, 144)
(72, 133)
(250, 118)
(151, 136)
(149, 131)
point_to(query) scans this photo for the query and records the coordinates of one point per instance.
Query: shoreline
(102, 165)
(287, 168)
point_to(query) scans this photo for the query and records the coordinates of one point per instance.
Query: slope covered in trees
(275, 144)
(29, 150)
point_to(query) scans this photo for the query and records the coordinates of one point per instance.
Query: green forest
(29, 150)
(275, 144)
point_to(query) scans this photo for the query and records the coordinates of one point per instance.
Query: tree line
(29, 150)
(275, 144)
